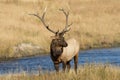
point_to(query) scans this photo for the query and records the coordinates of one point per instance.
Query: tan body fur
(70, 51)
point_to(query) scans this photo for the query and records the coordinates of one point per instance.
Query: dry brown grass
(96, 23)
(86, 72)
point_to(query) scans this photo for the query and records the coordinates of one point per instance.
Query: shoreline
(5, 59)
(93, 72)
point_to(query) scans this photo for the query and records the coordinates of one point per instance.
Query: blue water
(36, 64)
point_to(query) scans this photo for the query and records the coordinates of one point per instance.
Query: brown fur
(62, 55)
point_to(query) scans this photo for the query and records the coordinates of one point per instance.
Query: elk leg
(64, 66)
(56, 65)
(68, 66)
(75, 62)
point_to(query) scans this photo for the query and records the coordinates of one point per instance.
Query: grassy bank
(96, 23)
(86, 72)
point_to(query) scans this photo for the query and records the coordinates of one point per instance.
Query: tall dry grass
(96, 23)
(86, 72)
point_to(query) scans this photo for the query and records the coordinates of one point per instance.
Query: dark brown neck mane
(56, 48)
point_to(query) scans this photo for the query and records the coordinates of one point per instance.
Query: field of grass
(96, 23)
(86, 72)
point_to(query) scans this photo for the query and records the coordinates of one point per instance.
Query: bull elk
(62, 51)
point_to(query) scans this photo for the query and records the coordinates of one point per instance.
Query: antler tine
(43, 21)
(67, 25)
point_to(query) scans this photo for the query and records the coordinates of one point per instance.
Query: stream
(44, 63)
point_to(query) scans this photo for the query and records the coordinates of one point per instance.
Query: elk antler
(67, 25)
(43, 21)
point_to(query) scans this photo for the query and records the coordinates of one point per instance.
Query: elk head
(58, 42)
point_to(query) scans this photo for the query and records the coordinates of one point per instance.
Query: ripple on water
(44, 63)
